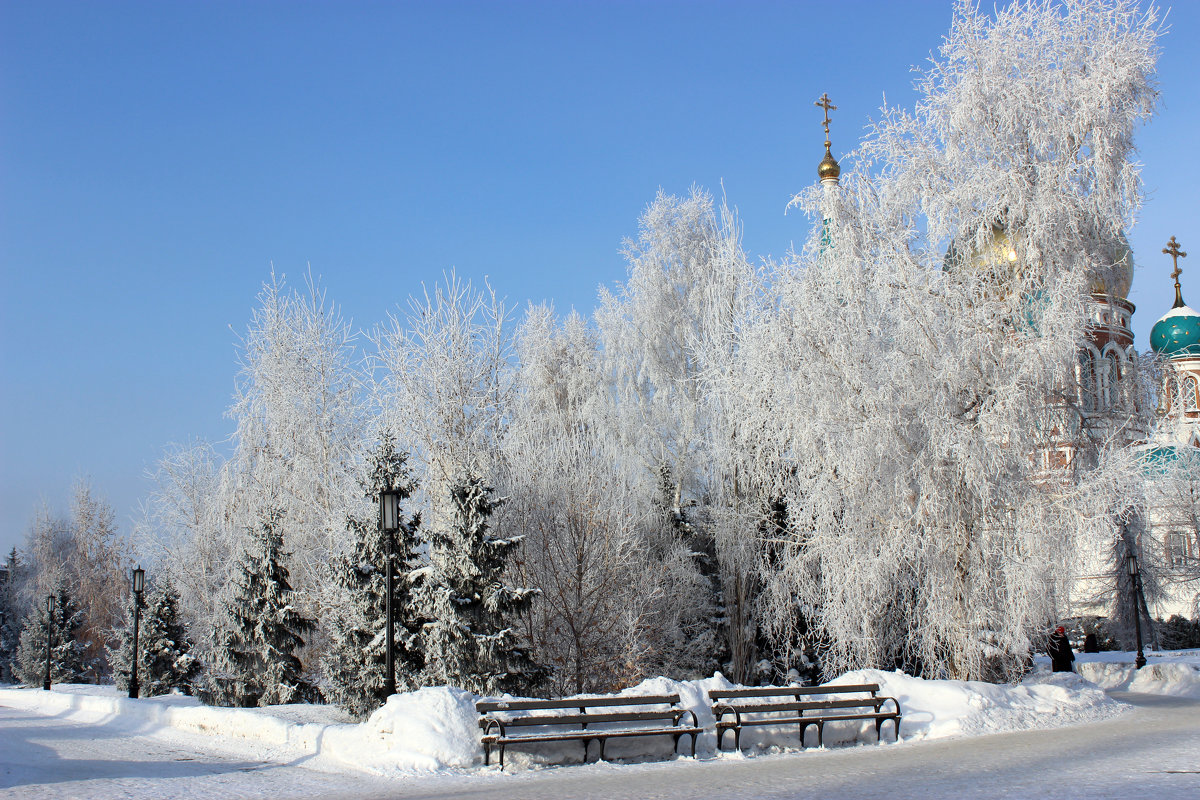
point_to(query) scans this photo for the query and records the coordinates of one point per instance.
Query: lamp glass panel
(389, 507)
(139, 580)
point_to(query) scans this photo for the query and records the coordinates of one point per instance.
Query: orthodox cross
(823, 102)
(1172, 249)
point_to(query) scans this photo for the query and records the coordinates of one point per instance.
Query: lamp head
(389, 510)
(139, 580)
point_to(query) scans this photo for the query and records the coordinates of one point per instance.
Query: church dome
(1114, 273)
(828, 169)
(1177, 333)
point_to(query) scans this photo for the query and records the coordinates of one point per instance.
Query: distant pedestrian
(1090, 645)
(1059, 650)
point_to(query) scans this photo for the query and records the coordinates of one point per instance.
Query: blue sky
(156, 159)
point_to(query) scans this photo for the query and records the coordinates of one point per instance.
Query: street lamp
(1135, 587)
(389, 523)
(49, 632)
(139, 585)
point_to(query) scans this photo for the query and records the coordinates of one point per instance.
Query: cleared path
(1154, 750)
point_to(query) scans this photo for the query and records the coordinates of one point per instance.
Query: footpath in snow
(435, 730)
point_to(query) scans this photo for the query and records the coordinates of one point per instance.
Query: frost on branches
(898, 392)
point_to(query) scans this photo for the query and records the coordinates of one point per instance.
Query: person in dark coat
(1059, 650)
(1090, 645)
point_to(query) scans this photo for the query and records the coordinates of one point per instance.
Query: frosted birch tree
(442, 381)
(903, 391)
(299, 429)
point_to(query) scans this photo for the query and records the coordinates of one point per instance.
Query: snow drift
(435, 730)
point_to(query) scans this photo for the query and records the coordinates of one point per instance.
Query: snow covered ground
(86, 741)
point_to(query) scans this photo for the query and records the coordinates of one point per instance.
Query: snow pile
(422, 731)
(1174, 678)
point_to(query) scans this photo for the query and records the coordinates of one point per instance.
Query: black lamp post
(1136, 588)
(389, 523)
(49, 634)
(139, 585)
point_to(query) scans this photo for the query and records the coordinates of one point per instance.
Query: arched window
(1190, 400)
(1087, 382)
(1108, 368)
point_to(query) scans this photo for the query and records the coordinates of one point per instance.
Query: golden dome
(828, 169)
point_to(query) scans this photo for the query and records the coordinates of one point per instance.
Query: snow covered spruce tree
(471, 641)
(69, 660)
(256, 662)
(355, 661)
(896, 395)
(165, 659)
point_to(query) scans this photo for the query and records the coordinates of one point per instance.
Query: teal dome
(1177, 334)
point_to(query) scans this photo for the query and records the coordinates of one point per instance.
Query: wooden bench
(506, 722)
(735, 709)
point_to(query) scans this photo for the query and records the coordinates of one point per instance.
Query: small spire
(1172, 250)
(828, 169)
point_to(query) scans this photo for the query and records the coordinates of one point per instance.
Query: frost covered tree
(186, 536)
(165, 659)
(896, 393)
(354, 662)
(256, 662)
(12, 612)
(444, 384)
(472, 640)
(299, 428)
(667, 335)
(85, 551)
(572, 507)
(69, 659)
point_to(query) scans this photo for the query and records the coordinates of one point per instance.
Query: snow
(435, 730)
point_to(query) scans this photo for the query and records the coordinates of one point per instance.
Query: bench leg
(502, 758)
(694, 745)
(737, 739)
(602, 741)
(820, 734)
(487, 754)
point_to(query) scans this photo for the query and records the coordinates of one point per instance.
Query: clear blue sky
(156, 158)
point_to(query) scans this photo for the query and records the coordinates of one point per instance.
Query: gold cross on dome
(1172, 249)
(823, 102)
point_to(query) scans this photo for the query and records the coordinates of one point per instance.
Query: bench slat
(484, 706)
(785, 691)
(578, 719)
(565, 736)
(730, 723)
(800, 705)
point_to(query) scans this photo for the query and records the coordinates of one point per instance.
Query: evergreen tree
(354, 665)
(165, 659)
(10, 615)
(258, 643)
(471, 642)
(68, 659)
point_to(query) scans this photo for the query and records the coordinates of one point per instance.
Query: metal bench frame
(496, 718)
(796, 711)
